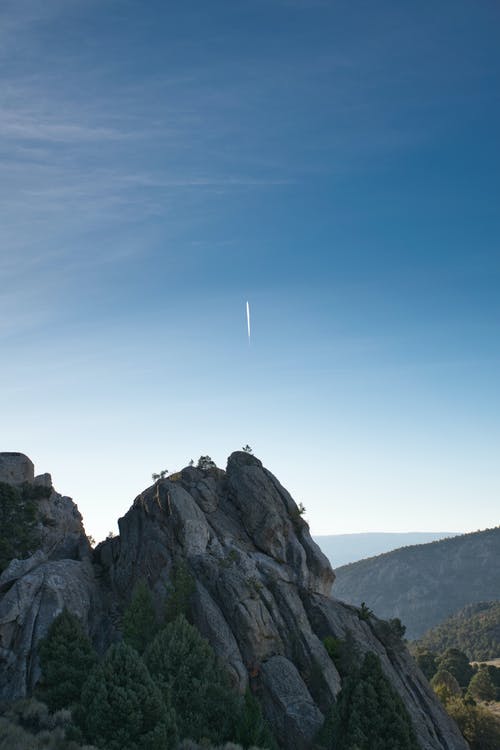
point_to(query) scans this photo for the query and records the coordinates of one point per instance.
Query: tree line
(465, 691)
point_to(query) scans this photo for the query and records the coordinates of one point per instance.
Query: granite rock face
(16, 468)
(262, 596)
(35, 590)
(60, 525)
(32, 593)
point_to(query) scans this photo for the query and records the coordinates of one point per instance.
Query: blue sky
(335, 163)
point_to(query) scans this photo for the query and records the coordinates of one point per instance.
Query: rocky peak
(60, 524)
(262, 597)
(16, 468)
(33, 591)
(262, 594)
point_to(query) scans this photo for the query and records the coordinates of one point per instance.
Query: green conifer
(185, 668)
(181, 590)
(252, 730)
(122, 708)
(368, 714)
(139, 621)
(66, 658)
(344, 653)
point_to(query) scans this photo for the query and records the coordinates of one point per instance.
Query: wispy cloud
(90, 158)
(33, 126)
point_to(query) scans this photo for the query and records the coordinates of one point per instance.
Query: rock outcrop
(60, 525)
(35, 590)
(32, 593)
(16, 468)
(262, 594)
(262, 597)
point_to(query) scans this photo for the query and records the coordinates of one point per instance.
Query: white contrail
(248, 320)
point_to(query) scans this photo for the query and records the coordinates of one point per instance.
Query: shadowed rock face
(262, 594)
(34, 591)
(262, 597)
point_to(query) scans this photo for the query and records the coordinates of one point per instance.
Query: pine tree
(368, 714)
(185, 668)
(139, 621)
(205, 463)
(344, 653)
(122, 708)
(66, 658)
(252, 730)
(181, 589)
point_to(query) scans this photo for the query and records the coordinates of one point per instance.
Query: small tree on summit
(205, 463)
(364, 612)
(161, 475)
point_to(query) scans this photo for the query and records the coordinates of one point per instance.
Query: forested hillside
(426, 583)
(475, 630)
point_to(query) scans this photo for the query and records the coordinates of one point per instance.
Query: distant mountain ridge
(425, 583)
(342, 549)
